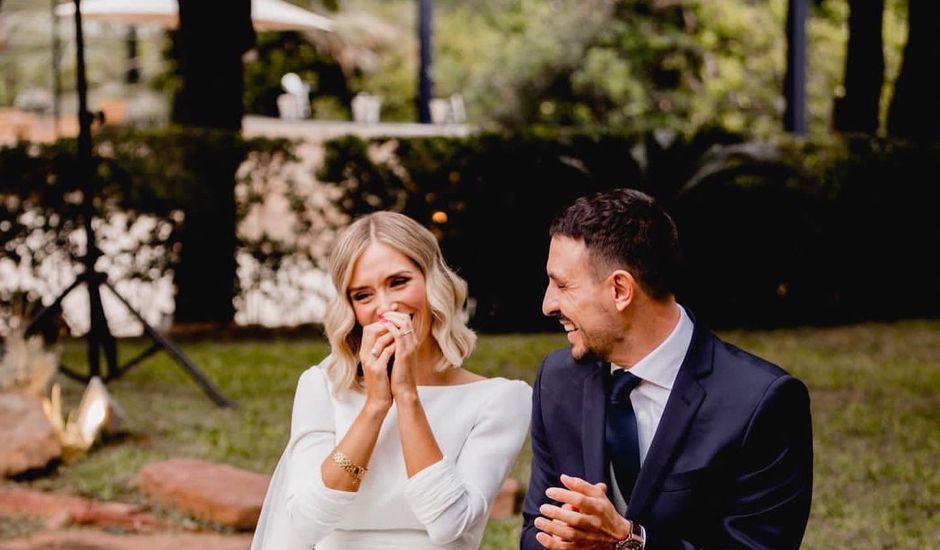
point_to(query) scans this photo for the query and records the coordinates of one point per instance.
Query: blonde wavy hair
(446, 294)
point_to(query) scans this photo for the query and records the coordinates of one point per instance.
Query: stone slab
(218, 493)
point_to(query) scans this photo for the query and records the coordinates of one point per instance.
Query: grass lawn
(875, 394)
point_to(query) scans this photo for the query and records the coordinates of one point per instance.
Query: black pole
(132, 73)
(99, 337)
(56, 71)
(84, 117)
(794, 88)
(425, 86)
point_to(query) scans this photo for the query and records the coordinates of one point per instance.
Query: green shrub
(773, 232)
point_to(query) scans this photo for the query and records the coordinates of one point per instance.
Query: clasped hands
(392, 334)
(586, 520)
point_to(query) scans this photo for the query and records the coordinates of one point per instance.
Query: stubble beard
(592, 349)
(584, 354)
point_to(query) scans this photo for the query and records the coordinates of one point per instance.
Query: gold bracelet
(356, 471)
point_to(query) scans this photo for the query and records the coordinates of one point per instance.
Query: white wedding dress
(480, 428)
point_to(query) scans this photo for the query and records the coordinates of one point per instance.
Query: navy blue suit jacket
(730, 465)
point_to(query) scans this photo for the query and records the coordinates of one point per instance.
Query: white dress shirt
(657, 372)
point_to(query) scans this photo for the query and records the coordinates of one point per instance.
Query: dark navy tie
(623, 446)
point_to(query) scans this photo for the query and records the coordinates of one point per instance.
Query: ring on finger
(409, 331)
(374, 352)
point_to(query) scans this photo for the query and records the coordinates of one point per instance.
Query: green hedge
(773, 233)
(160, 173)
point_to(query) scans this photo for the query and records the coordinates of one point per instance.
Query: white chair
(366, 107)
(440, 110)
(457, 113)
(295, 104)
(448, 110)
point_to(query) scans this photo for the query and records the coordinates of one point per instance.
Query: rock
(87, 539)
(62, 510)
(504, 506)
(213, 492)
(29, 440)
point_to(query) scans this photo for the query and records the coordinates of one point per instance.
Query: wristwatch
(635, 541)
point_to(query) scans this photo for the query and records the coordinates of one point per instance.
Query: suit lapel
(592, 425)
(684, 400)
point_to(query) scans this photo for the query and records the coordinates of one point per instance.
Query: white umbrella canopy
(277, 15)
(266, 15)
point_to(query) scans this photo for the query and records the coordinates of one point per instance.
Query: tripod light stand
(99, 337)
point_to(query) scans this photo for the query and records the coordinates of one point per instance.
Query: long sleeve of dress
(313, 508)
(452, 495)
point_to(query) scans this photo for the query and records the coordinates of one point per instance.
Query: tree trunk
(857, 110)
(915, 107)
(212, 39)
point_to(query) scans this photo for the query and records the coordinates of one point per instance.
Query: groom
(650, 432)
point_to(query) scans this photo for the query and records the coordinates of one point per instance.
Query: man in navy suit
(650, 432)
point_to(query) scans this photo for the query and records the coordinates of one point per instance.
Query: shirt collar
(661, 366)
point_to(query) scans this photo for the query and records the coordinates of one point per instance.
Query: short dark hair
(625, 229)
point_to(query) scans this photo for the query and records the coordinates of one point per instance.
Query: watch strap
(634, 541)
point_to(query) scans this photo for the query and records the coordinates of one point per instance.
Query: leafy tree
(592, 63)
(631, 65)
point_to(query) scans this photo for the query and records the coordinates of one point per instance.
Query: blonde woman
(393, 444)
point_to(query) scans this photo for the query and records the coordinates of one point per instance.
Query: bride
(393, 444)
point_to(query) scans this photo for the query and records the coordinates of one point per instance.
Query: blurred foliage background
(682, 98)
(627, 64)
